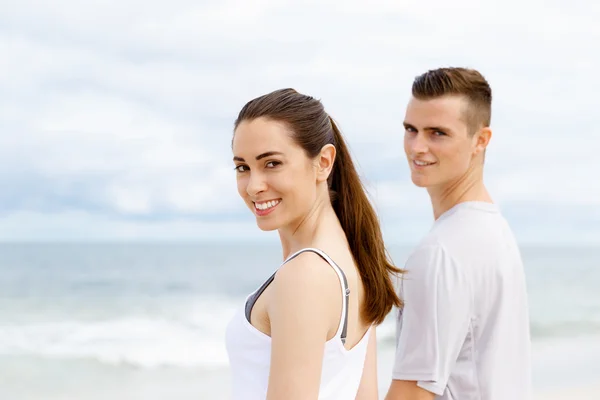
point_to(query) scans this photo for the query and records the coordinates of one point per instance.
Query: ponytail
(359, 220)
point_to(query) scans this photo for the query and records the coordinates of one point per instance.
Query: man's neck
(469, 187)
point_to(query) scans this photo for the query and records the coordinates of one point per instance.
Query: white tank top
(249, 351)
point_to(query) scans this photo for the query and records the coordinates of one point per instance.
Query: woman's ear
(325, 161)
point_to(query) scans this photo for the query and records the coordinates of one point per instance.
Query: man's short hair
(465, 82)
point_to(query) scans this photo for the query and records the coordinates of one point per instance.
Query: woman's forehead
(259, 136)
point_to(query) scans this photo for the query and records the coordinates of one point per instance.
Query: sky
(116, 116)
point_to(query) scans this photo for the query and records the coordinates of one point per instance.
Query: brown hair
(462, 82)
(312, 129)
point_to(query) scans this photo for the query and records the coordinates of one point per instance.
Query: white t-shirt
(463, 333)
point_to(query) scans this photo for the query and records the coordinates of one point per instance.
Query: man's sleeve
(435, 319)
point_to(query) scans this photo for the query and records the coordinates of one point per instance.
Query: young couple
(309, 331)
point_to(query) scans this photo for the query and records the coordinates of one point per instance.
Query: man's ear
(325, 161)
(482, 139)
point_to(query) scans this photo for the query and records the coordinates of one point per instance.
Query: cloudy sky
(116, 116)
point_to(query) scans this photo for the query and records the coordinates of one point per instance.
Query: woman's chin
(267, 226)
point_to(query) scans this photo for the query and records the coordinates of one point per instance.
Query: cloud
(116, 117)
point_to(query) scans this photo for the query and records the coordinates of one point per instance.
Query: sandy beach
(551, 379)
(152, 337)
(591, 392)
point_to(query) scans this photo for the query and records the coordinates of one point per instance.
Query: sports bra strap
(343, 327)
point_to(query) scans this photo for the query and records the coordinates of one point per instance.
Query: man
(463, 333)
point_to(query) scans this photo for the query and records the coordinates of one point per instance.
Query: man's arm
(407, 390)
(433, 324)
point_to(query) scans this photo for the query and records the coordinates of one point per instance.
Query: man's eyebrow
(428, 128)
(437, 128)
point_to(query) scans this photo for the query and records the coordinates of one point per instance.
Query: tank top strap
(343, 326)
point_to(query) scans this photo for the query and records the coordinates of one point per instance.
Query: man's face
(438, 145)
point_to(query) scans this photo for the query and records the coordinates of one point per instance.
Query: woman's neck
(321, 218)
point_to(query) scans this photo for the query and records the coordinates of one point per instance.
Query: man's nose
(418, 144)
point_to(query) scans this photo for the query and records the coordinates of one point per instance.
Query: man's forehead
(440, 104)
(440, 109)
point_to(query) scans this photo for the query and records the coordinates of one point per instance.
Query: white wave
(190, 339)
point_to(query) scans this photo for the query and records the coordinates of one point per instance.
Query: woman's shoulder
(307, 288)
(308, 274)
(308, 270)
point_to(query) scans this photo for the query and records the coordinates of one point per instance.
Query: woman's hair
(312, 128)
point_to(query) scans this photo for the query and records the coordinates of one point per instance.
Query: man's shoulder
(468, 217)
(430, 253)
(462, 240)
(471, 227)
(472, 238)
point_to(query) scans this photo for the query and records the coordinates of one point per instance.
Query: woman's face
(275, 177)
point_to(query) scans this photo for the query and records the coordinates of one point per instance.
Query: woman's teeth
(267, 204)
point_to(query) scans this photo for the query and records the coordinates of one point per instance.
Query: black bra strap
(254, 297)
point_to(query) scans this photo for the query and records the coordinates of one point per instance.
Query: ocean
(146, 321)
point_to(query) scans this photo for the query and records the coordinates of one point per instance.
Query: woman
(308, 332)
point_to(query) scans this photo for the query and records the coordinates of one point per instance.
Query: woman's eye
(272, 164)
(241, 168)
(439, 133)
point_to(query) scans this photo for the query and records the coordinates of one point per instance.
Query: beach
(147, 322)
(50, 380)
(555, 376)
(591, 392)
